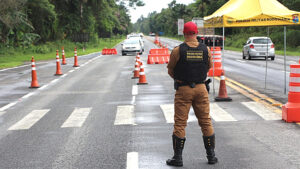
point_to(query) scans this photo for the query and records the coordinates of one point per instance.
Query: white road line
(218, 114)
(135, 90)
(70, 71)
(77, 68)
(133, 100)
(168, 110)
(28, 121)
(28, 95)
(63, 76)
(132, 160)
(77, 118)
(53, 81)
(14, 67)
(262, 111)
(8, 106)
(125, 115)
(43, 87)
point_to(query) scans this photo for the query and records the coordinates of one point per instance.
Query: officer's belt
(191, 84)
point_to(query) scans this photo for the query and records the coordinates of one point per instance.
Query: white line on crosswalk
(132, 160)
(77, 118)
(125, 115)
(133, 100)
(135, 90)
(168, 110)
(262, 111)
(29, 120)
(218, 114)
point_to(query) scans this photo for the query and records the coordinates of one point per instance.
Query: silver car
(259, 47)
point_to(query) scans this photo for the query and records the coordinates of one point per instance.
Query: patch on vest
(193, 55)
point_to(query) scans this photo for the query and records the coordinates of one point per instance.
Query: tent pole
(267, 54)
(213, 65)
(284, 59)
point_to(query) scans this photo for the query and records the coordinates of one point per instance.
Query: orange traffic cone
(58, 71)
(142, 79)
(222, 90)
(75, 58)
(63, 62)
(34, 82)
(136, 73)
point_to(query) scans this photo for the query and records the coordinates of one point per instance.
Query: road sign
(198, 21)
(180, 26)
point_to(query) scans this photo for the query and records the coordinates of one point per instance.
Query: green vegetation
(39, 27)
(11, 57)
(165, 23)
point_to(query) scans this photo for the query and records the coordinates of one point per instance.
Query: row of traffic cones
(139, 72)
(34, 81)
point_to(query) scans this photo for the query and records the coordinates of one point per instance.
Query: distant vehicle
(259, 47)
(140, 39)
(208, 40)
(151, 34)
(132, 45)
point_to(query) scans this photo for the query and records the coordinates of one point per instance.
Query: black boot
(209, 143)
(178, 144)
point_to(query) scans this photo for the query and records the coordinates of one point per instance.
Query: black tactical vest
(192, 65)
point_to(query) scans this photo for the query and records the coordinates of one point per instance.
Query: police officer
(188, 66)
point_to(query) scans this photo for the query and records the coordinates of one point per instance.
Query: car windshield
(131, 41)
(261, 41)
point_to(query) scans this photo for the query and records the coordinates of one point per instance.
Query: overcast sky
(152, 5)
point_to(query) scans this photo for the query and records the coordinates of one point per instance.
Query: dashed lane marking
(29, 120)
(8, 106)
(262, 111)
(77, 118)
(132, 160)
(218, 114)
(125, 115)
(135, 90)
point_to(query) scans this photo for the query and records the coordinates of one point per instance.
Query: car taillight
(252, 46)
(272, 46)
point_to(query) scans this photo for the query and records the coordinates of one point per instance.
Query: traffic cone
(63, 62)
(75, 58)
(58, 71)
(222, 90)
(34, 82)
(136, 73)
(142, 78)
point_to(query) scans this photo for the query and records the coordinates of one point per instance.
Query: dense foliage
(24, 22)
(166, 22)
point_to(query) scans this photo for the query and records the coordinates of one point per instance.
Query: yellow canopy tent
(241, 13)
(246, 13)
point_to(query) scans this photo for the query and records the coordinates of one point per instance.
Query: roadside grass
(11, 57)
(289, 51)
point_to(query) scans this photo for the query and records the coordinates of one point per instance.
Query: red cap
(190, 28)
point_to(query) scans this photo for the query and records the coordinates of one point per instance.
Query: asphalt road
(95, 116)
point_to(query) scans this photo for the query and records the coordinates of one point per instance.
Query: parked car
(132, 45)
(259, 47)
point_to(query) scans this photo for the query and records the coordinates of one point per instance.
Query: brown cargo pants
(185, 97)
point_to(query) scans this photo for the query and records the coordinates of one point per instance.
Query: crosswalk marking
(262, 111)
(132, 160)
(168, 110)
(135, 90)
(77, 118)
(218, 114)
(29, 120)
(125, 115)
